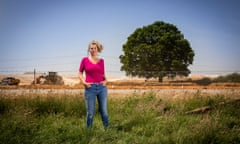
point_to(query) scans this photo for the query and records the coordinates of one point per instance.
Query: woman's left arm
(104, 82)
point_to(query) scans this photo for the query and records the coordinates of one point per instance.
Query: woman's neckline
(94, 61)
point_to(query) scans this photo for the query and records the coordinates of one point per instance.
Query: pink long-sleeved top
(94, 73)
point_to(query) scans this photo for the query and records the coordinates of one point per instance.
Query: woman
(94, 83)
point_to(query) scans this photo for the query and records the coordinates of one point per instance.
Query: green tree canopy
(155, 51)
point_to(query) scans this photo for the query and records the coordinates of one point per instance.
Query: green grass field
(136, 119)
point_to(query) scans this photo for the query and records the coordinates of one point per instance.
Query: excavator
(51, 79)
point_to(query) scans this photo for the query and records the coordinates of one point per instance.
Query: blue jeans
(100, 92)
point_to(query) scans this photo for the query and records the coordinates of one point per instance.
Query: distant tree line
(234, 77)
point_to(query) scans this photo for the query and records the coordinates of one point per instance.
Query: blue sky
(52, 35)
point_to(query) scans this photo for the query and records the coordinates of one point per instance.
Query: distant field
(72, 82)
(133, 85)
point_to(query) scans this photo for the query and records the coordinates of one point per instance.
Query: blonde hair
(97, 43)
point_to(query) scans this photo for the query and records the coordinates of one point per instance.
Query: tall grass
(134, 119)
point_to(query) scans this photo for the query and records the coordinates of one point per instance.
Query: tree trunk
(207, 108)
(160, 79)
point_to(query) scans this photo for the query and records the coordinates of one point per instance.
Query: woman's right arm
(80, 75)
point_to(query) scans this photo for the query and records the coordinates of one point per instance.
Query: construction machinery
(51, 79)
(9, 81)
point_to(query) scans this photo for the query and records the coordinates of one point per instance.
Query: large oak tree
(155, 51)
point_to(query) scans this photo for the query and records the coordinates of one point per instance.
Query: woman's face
(93, 50)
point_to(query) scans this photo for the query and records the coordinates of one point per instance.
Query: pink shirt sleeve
(81, 67)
